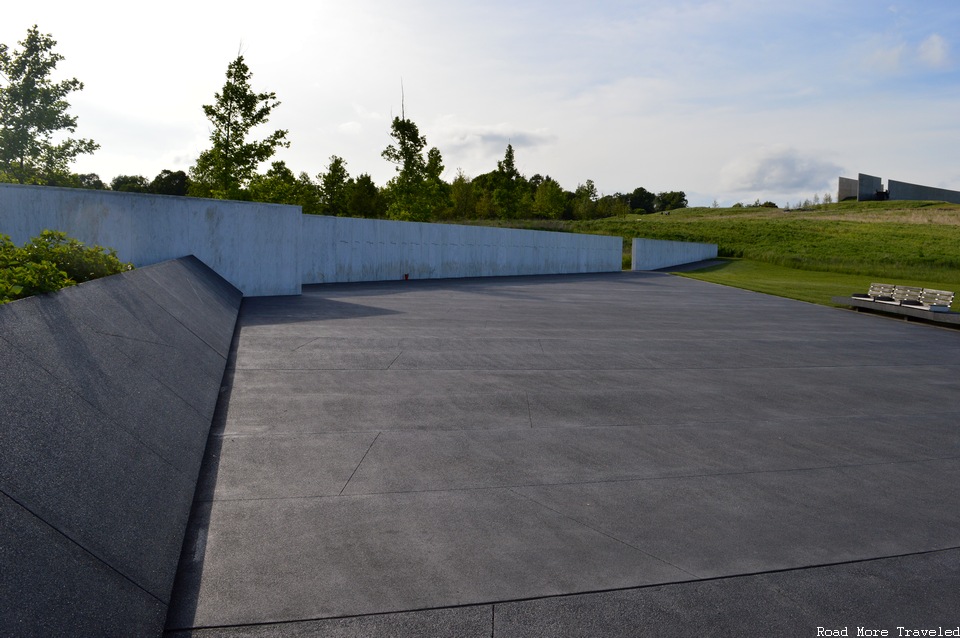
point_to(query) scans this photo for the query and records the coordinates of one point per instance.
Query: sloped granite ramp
(107, 391)
(624, 454)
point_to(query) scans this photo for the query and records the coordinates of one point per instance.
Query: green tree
(363, 198)
(412, 192)
(224, 170)
(672, 200)
(549, 200)
(643, 201)
(90, 181)
(585, 200)
(280, 186)
(462, 198)
(509, 187)
(333, 188)
(32, 110)
(169, 182)
(130, 184)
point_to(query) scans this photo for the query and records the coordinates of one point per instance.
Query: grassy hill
(810, 254)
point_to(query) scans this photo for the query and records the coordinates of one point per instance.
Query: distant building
(869, 188)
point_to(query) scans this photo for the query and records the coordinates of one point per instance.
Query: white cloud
(778, 169)
(887, 59)
(934, 51)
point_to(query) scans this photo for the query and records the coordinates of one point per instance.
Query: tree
(169, 182)
(333, 187)
(32, 110)
(280, 186)
(363, 198)
(508, 187)
(550, 199)
(90, 181)
(643, 201)
(671, 200)
(412, 191)
(463, 201)
(130, 184)
(585, 200)
(224, 170)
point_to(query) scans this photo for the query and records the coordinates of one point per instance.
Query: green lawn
(805, 285)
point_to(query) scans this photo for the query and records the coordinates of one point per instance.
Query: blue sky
(728, 100)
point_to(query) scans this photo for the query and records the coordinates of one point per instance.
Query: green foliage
(671, 200)
(169, 182)
(416, 192)
(550, 200)
(333, 188)
(224, 170)
(32, 110)
(280, 186)
(49, 262)
(130, 184)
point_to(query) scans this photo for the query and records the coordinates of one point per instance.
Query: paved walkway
(617, 455)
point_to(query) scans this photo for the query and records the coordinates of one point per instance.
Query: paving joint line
(360, 463)
(610, 590)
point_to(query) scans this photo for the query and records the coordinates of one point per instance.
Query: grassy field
(810, 254)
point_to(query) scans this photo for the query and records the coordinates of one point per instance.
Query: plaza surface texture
(623, 454)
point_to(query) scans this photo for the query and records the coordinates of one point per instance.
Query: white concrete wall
(268, 249)
(341, 249)
(256, 247)
(653, 254)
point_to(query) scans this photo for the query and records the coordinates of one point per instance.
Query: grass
(806, 285)
(810, 254)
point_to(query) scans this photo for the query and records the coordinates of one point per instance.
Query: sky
(727, 100)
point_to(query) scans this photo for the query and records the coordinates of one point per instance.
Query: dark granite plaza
(625, 454)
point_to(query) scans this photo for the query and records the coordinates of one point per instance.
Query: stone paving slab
(476, 457)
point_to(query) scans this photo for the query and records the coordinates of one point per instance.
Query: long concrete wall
(341, 249)
(654, 254)
(253, 246)
(915, 192)
(268, 249)
(107, 393)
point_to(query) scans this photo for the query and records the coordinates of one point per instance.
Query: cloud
(887, 59)
(778, 170)
(934, 51)
(488, 139)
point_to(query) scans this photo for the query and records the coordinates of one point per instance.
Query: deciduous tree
(33, 109)
(411, 192)
(225, 169)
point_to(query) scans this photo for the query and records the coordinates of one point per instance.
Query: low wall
(253, 246)
(915, 192)
(342, 249)
(654, 254)
(107, 393)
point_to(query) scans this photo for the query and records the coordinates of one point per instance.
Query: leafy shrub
(49, 262)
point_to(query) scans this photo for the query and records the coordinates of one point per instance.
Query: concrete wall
(653, 254)
(253, 246)
(340, 249)
(907, 191)
(848, 188)
(107, 393)
(869, 186)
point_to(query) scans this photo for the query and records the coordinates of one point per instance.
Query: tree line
(33, 109)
